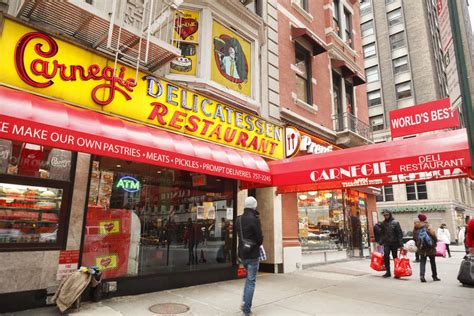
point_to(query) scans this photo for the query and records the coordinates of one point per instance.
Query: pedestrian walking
(249, 230)
(470, 236)
(425, 238)
(391, 238)
(444, 236)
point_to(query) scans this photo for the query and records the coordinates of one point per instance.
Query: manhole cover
(169, 308)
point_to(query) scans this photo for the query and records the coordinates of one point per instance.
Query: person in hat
(249, 230)
(391, 238)
(444, 235)
(425, 239)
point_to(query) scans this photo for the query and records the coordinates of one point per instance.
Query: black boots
(435, 278)
(387, 275)
(422, 279)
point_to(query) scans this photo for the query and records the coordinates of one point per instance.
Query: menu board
(105, 188)
(94, 184)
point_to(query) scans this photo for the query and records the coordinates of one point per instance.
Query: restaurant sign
(43, 64)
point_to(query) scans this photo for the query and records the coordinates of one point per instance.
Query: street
(344, 288)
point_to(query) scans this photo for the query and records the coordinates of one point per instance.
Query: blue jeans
(251, 265)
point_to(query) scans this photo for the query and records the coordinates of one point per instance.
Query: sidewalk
(345, 288)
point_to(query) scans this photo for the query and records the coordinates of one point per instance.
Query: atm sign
(128, 184)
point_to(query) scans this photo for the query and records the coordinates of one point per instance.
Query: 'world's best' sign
(41, 63)
(426, 117)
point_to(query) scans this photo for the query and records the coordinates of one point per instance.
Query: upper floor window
(400, 64)
(389, 1)
(255, 7)
(397, 40)
(367, 28)
(303, 74)
(376, 122)
(369, 50)
(374, 98)
(304, 4)
(417, 191)
(335, 16)
(372, 73)
(394, 17)
(365, 7)
(349, 98)
(387, 194)
(403, 90)
(348, 27)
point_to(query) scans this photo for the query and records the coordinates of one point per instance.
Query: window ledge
(312, 108)
(302, 11)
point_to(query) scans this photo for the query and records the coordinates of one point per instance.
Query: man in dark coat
(249, 230)
(391, 238)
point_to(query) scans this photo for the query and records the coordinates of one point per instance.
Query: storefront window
(144, 219)
(321, 220)
(34, 194)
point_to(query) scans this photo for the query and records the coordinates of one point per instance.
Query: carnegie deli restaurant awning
(29, 118)
(437, 156)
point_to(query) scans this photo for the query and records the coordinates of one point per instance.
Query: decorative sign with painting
(231, 64)
(186, 35)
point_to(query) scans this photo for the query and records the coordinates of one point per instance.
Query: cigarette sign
(430, 116)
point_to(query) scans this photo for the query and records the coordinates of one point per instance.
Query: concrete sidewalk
(345, 288)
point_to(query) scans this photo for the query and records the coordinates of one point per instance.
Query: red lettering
(177, 119)
(272, 149)
(193, 123)
(159, 110)
(229, 138)
(243, 138)
(216, 132)
(206, 126)
(254, 143)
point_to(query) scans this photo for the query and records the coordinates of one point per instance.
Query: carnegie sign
(38, 62)
(430, 116)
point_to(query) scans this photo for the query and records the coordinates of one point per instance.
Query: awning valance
(318, 45)
(30, 118)
(429, 157)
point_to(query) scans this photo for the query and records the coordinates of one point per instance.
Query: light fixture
(328, 195)
(218, 180)
(317, 199)
(159, 171)
(303, 197)
(119, 166)
(313, 193)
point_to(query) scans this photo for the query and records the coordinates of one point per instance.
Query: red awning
(318, 45)
(29, 118)
(430, 157)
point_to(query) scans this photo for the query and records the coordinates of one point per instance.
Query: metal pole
(462, 73)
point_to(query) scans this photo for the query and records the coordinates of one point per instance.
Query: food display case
(30, 214)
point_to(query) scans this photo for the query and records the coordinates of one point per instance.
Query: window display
(321, 220)
(144, 219)
(34, 190)
(29, 214)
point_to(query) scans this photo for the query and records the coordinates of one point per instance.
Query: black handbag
(246, 244)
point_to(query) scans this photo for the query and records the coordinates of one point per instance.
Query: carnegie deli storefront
(139, 178)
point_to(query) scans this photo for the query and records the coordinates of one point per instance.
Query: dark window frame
(379, 98)
(395, 72)
(348, 28)
(367, 23)
(64, 212)
(336, 17)
(415, 191)
(308, 64)
(401, 97)
(367, 45)
(402, 33)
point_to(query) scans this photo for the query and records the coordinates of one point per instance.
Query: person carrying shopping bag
(444, 236)
(391, 238)
(425, 238)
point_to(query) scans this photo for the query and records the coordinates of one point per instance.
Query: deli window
(144, 219)
(35, 184)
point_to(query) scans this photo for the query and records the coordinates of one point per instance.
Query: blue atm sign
(128, 184)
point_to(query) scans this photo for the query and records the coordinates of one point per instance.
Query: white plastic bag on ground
(410, 246)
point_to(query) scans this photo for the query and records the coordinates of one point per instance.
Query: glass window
(369, 50)
(386, 194)
(389, 1)
(376, 122)
(255, 7)
(365, 7)
(367, 28)
(303, 4)
(34, 192)
(394, 17)
(397, 40)
(400, 65)
(349, 98)
(321, 220)
(374, 98)
(335, 17)
(403, 90)
(348, 27)
(303, 75)
(372, 74)
(145, 219)
(416, 191)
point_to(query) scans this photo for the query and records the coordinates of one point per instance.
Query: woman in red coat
(470, 236)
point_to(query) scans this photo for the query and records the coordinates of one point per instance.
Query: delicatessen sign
(36, 61)
(422, 118)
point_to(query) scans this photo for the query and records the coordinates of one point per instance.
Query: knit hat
(251, 202)
(422, 217)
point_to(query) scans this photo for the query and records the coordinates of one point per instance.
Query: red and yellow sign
(109, 227)
(36, 61)
(106, 262)
(186, 35)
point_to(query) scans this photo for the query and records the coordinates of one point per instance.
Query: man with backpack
(391, 237)
(425, 238)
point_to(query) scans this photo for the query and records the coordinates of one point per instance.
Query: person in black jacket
(391, 238)
(249, 230)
